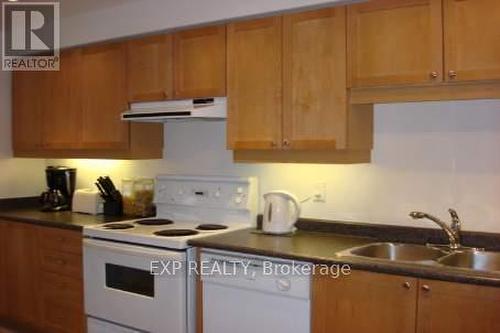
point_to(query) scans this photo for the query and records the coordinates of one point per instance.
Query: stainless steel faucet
(452, 231)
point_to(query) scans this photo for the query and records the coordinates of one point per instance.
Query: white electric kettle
(281, 211)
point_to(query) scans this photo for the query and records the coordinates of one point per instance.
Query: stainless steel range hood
(179, 110)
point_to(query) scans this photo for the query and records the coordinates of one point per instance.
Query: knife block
(113, 208)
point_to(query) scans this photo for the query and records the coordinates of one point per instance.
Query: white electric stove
(121, 293)
(160, 232)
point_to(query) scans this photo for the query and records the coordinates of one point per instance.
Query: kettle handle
(293, 199)
(296, 204)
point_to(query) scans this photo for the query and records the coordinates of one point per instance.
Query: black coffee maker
(61, 183)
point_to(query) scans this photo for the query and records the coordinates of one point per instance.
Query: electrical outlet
(319, 194)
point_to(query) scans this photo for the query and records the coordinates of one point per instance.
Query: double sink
(470, 259)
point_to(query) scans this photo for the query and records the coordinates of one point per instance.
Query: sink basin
(477, 260)
(396, 252)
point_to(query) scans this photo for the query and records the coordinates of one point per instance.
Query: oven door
(120, 288)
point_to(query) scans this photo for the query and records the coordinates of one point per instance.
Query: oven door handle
(132, 250)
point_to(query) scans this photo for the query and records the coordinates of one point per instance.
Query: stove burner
(118, 226)
(211, 227)
(176, 232)
(154, 222)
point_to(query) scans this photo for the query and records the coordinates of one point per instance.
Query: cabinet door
(104, 97)
(364, 302)
(472, 39)
(458, 308)
(22, 274)
(150, 69)
(61, 280)
(315, 97)
(394, 42)
(200, 62)
(255, 84)
(63, 109)
(30, 94)
(3, 271)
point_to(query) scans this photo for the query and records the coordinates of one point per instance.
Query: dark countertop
(321, 248)
(308, 244)
(27, 210)
(64, 220)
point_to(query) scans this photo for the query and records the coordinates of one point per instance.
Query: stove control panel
(210, 192)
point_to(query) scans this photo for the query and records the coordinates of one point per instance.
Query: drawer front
(61, 317)
(60, 240)
(66, 264)
(62, 288)
(62, 303)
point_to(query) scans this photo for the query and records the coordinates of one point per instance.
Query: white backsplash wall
(18, 177)
(427, 156)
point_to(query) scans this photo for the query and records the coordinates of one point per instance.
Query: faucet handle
(456, 224)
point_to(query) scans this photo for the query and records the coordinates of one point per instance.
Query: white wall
(427, 156)
(17, 177)
(144, 16)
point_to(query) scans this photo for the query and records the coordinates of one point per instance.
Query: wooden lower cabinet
(364, 302)
(21, 267)
(62, 304)
(384, 303)
(457, 308)
(61, 280)
(42, 278)
(3, 276)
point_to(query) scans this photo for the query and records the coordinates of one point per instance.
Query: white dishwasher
(245, 298)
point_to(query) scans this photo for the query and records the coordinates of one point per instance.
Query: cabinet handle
(286, 143)
(407, 285)
(452, 74)
(434, 75)
(426, 288)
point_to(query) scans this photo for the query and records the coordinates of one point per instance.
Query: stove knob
(283, 284)
(217, 194)
(239, 190)
(238, 200)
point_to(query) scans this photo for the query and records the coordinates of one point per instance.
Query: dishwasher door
(252, 300)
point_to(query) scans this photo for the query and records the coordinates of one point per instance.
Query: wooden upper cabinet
(472, 39)
(75, 112)
(29, 95)
(397, 42)
(315, 97)
(364, 302)
(150, 68)
(63, 109)
(104, 90)
(255, 84)
(200, 62)
(457, 308)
